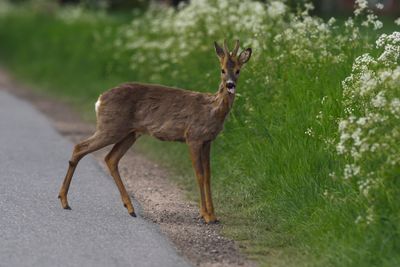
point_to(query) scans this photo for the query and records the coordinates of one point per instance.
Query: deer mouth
(231, 90)
(230, 86)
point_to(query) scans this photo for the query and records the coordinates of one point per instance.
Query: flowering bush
(172, 35)
(164, 37)
(370, 131)
(304, 34)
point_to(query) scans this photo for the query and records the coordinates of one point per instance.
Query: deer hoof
(64, 202)
(133, 214)
(210, 219)
(213, 222)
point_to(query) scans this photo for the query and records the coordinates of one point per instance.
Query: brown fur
(169, 114)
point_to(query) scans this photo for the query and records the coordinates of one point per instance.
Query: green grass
(269, 177)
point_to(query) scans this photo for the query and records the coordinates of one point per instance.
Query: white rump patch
(97, 105)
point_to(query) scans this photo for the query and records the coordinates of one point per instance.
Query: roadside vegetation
(306, 172)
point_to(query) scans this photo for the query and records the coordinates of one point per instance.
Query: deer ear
(245, 56)
(220, 52)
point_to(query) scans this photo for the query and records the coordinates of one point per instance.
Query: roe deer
(133, 109)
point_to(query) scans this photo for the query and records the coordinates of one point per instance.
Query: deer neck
(223, 101)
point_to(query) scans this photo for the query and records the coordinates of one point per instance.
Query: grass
(269, 177)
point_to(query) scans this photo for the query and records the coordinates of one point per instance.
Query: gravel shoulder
(161, 201)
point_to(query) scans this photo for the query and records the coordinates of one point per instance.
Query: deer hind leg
(209, 217)
(93, 143)
(112, 159)
(195, 149)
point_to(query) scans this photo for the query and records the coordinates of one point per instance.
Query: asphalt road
(36, 231)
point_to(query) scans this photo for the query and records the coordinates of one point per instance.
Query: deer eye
(223, 71)
(237, 72)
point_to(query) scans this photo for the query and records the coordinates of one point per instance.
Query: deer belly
(168, 131)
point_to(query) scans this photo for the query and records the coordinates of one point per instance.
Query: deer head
(231, 63)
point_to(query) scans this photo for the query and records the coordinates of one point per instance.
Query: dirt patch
(161, 200)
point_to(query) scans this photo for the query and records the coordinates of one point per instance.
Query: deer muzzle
(231, 86)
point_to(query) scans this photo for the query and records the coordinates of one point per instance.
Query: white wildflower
(370, 218)
(349, 23)
(351, 170)
(379, 100)
(276, 9)
(362, 121)
(395, 107)
(367, 82)
(309, 6)
(319, 116)
(377, 24)
(361, 6)
(309, 132)
(342, 125)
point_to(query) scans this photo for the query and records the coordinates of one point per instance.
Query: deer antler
(235, 50)
(226, 49)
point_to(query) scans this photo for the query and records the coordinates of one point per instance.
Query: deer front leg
(93, 143)
(205, 158)
(195, 149)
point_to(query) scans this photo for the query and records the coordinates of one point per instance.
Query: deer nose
(230, 84)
